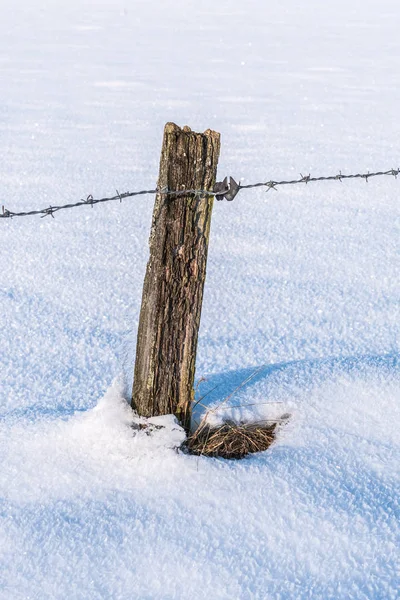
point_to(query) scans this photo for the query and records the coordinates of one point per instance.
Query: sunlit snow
(302, 292)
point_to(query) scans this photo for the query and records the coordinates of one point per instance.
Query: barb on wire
(221, 191)
(307, 179)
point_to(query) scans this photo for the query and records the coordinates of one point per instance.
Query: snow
(301, 300)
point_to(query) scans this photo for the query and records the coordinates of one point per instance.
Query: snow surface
(302, 290)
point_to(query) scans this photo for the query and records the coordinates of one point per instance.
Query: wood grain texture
(174, 281)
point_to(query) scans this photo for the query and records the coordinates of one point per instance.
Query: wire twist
(270, 185)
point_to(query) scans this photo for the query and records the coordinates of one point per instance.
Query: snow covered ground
(303, 282)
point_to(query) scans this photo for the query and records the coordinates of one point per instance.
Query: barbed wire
(307, 178)
(222, 191)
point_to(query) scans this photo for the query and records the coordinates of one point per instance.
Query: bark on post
(173, 286)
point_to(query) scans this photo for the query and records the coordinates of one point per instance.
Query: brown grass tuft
(231, 440)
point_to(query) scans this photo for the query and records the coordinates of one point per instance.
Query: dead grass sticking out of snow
(231, 440)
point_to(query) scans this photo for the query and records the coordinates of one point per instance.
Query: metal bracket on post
(225, 191)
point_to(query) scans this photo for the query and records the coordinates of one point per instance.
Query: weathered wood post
(173, 286)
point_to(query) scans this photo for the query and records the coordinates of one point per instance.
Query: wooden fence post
(173, 286)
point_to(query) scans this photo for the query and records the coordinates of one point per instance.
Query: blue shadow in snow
(301, 373)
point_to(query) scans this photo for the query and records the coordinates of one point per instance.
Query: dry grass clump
(231, 440)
